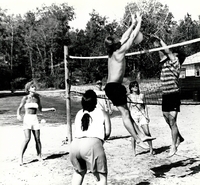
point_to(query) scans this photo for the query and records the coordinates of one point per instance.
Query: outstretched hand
(136, 18)
(133, 21)
(53, 109)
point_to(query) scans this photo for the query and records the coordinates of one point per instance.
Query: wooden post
(67, 95)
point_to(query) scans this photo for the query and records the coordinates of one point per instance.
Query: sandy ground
(124, 168)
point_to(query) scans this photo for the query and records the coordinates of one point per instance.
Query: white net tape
(142, 52)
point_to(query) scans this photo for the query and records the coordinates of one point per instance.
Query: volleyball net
(150, 87)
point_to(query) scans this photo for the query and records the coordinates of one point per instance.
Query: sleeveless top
(96, 125)
(170, 76)
(137, 104)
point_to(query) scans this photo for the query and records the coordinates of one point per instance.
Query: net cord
(144, 51)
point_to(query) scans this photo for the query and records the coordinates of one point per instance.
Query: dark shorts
(116, 92)
(171, 102)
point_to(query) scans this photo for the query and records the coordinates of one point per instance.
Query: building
(190, 77)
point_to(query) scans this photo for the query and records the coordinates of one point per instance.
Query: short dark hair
(180, 54)
(111, 44)
(154, 39)
(132, 84)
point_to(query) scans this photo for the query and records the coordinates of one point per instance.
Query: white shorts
(140, 120)
(31, 122)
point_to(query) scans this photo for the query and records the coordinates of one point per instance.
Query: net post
(67, 93)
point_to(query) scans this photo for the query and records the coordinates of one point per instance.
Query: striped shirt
(170, 76)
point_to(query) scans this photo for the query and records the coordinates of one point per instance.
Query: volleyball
(43, 121)
(138, 38)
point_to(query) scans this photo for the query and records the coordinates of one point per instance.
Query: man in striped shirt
(171, 64)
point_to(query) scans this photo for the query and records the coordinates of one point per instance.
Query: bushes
(18, 83)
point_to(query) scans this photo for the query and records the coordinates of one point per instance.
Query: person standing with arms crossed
(171, 64)
(114, 89)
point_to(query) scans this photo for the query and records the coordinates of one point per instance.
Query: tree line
(31, 46)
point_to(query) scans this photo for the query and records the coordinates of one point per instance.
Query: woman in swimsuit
(31, 104)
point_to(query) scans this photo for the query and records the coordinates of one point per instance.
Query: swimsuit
(31, 120)
(31, 105)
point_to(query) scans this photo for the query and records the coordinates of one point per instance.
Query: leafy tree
(44, 36)
(32, 45)
(90, 43)
(188, 29)
(156, 20)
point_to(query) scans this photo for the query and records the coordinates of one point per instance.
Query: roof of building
(192, 59)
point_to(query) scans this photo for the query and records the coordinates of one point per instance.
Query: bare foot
(40, 159)
(147, 138)
(172, 152)
(151, 152)
(142, 145)
(179, 141)
(133, 146)
(21, 162)
(134, 153)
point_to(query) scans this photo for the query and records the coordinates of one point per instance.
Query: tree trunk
(52, 71)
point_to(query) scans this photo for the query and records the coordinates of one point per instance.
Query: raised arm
(128, 32)
(167, 51)
(159, 42)
(126, 44)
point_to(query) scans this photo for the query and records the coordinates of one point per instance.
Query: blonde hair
(28, 85)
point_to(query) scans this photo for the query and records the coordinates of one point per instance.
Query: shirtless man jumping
(114, 89)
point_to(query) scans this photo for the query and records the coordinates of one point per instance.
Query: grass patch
(10, 103)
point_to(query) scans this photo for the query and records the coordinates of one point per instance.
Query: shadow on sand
(143, 183)
(53, 156)
(161, 149)
(156, 150)
(161, 171)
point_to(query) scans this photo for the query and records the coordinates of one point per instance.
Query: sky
(112, 9)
